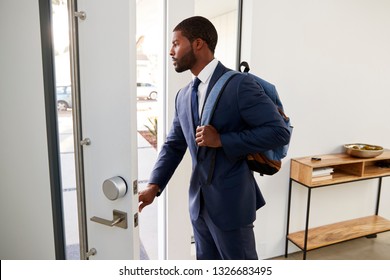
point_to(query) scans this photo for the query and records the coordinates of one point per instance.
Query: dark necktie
(194, 101)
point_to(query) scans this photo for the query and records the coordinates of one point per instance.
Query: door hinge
(85, 142)
(135, 187)
(135, 220)
(81, 15)
(91, 252)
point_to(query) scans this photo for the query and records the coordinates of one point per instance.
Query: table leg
(307, 223)
(288, 217)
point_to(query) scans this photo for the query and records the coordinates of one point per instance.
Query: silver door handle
(119, 219)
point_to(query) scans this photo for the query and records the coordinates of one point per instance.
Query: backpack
(265, 163)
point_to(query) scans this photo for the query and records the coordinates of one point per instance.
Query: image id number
(242, 270)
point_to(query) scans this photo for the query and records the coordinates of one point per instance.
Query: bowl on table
(363, 150)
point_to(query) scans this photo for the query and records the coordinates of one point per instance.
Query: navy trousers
(213, 243)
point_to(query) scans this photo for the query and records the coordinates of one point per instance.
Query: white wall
(223, 14)
(178, 225)
(331, 65)
(25, 205)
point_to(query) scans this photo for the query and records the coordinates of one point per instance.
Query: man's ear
(199, 44)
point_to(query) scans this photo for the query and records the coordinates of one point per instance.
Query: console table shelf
(339, 232)
(345, 169)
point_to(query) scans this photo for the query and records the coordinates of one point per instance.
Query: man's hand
(207, 136)
(147, 196)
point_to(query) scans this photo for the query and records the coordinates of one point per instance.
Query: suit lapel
(218, 72)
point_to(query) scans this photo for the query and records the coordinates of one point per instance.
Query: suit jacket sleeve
(170, 156)
(265, 128)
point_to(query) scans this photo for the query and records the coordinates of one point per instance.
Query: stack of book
(320, 174)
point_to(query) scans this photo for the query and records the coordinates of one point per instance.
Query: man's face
(182, 53)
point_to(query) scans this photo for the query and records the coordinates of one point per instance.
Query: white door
(107, 86)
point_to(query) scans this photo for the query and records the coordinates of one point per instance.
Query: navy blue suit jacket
(248, 122)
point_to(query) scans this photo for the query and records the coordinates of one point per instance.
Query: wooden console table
(345, 169)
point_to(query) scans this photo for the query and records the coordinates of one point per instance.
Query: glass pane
(65, 126)
(149, 76)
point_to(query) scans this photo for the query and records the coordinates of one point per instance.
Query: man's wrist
(155, 188)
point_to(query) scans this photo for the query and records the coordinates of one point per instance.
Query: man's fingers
(147, 196)
(144, 199)
(141, 206)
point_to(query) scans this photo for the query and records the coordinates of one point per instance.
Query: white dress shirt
(204, 76)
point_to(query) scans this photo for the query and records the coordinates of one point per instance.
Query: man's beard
(186, 62)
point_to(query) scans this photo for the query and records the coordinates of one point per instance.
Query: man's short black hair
(199, 27)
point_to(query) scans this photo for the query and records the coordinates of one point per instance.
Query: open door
(104, 92)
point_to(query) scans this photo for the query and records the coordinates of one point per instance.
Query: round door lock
(114, 188)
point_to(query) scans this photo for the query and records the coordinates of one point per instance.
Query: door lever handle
(119, 219)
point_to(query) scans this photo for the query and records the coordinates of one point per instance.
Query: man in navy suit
(223, 193)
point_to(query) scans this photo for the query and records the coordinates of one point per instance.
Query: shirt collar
(205, 75)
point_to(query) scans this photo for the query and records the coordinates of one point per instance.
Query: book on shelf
(324, 171)
(322, 178)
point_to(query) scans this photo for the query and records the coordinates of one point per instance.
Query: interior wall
(25, 203)
(330, 63)
(178, 225)
(224, 16)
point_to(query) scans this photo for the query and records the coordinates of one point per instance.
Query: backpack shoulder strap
(215, 93)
